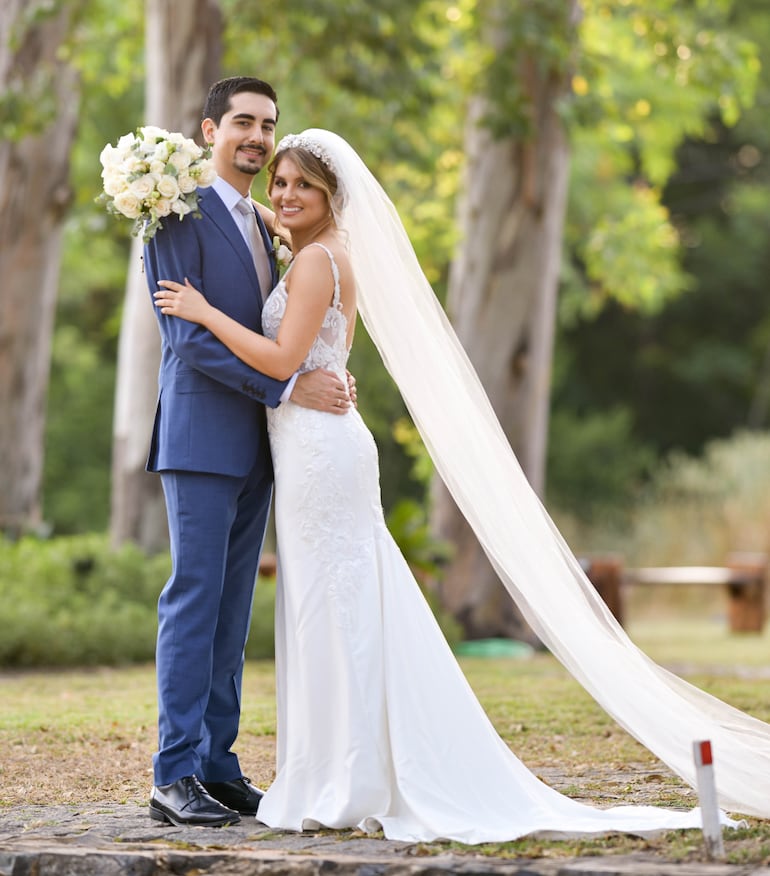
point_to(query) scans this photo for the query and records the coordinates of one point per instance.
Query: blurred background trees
(658, 317)
(39, 98)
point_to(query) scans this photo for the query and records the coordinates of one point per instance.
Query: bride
(377, 726)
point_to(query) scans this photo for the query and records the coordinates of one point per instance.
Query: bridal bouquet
(153, 174)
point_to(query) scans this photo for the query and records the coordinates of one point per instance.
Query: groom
(210, 445)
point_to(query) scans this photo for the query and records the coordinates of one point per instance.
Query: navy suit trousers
(217, 526)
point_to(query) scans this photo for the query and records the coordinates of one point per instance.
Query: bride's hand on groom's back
(323, 391)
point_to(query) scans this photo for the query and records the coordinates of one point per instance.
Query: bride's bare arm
(310, 290)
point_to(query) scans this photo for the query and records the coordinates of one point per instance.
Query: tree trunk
(34, 196)
(502, 301)
(183, 45)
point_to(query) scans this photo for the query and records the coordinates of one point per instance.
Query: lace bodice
(330, 348)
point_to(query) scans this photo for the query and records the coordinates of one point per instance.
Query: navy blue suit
(210, 445)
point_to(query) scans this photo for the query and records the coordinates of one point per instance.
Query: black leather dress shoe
(239, 794)
(185, 802)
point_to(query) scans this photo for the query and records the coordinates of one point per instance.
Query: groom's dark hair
(218, 98)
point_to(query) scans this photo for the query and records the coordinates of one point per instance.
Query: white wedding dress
(377, 726)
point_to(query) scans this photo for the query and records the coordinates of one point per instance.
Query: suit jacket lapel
(211, 204)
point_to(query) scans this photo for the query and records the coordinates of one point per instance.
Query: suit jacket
(210, 415)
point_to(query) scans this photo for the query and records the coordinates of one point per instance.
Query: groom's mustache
(255, 147)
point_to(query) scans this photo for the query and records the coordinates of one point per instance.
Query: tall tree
(183, 48)
(650, 74)
(504, 281)
(39, 111)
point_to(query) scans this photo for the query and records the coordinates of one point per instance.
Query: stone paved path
(115, 840)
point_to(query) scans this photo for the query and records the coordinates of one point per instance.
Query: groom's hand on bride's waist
(323, 391)
(352, 391)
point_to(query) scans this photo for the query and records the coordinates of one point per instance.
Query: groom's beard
(247, 162)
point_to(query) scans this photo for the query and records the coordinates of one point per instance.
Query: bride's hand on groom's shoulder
(185, 301)
(322, 390)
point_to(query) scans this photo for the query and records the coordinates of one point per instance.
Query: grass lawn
(74, 736)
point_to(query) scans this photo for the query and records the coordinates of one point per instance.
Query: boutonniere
(282, 255)
(154, 174)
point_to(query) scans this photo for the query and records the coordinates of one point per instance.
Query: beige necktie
(257, 247)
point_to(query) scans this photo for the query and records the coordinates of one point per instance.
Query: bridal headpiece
(302, 141)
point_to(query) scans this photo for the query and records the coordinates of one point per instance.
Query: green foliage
(82, 381)
(698, 509)
(408, 523)
(650, 75)
(28, 103)
(109, 75)
(387, 82)
(698, 367)
(632, 253)
(76, 602)
(694, 510)
(78, 434)
(652, 72)
(595, 468)
(261, 641)
(381, 55)
(408, 520)
(519, 43)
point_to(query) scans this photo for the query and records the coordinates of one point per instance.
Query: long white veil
(473, 457)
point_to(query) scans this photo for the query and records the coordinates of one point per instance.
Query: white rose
(181, 207)
(168, 188)
(192, 150)
(151, 134)
(114, 170)
(114, 182)
(186, 183)
(110, 156)
(283, 254)
(206, 173)
(126, 143)
(158, 167)
(161, 207)
(128, 204)
(161, 152)
(180, 160)
(143, 187)
(134, 164)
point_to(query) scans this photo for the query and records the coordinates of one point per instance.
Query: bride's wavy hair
(315, 172)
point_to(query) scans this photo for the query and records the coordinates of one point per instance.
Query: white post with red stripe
(707, 795)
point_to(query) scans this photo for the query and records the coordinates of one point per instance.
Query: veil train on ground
(472, 455)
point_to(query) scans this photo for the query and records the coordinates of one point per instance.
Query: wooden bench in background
(744, 578)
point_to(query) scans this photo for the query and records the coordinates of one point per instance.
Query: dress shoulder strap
(335, 274)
